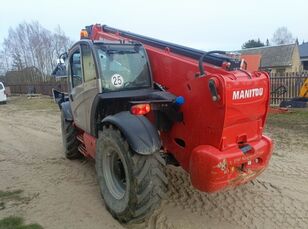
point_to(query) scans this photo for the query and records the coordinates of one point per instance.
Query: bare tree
(3, 63)
(60, 44)
(31, 45)
(282, 36)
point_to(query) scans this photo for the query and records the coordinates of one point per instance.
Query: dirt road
(60, 194)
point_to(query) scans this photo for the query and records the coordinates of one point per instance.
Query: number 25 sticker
(117, 80)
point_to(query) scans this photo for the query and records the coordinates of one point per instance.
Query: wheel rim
(114, 172)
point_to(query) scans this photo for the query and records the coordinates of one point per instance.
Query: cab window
(88, 63)
(76, 72)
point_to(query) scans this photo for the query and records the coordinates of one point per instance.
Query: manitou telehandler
(135, 103)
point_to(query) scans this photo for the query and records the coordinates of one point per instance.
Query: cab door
(77, 87)
(91, 82)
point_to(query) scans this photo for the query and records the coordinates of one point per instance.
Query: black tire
(69, 138)
(131, 185)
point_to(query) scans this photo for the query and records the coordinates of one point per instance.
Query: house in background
(303, 51)
(279, 59)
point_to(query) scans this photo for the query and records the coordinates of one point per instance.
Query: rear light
(5, 92)
(140, 109)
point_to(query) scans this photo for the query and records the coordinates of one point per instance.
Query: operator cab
(117, 66)
(96, 70)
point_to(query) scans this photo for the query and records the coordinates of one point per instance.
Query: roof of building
(273, 56)
(303, 50)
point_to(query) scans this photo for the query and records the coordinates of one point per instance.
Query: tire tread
(70, 142)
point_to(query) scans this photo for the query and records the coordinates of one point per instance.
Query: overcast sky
(204, 24)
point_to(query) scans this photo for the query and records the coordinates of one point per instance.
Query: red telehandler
(136, 103)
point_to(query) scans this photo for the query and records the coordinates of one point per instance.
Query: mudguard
(67, 111)
(141, 135)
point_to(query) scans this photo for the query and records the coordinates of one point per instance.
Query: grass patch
(296, 120)
(34, 103)
(10, 194)
(289, 130)
(14, 222)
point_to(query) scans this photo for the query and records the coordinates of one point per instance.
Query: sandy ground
(62, 194)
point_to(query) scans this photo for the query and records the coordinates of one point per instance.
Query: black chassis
(113, 108)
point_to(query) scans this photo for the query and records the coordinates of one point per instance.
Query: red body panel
(90, 144)
(213, 132)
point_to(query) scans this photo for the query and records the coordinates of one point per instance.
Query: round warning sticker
(117, 80)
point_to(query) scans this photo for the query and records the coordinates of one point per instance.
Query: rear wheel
(69, 138)
(132, 185)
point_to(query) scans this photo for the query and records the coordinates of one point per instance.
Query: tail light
(5, 92)
(140, 109)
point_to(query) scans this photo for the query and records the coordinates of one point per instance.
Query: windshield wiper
(120, 51)
(134, 83)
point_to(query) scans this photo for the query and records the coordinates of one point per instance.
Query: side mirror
(60, 69)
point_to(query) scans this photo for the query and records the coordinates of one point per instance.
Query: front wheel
(69, 138)
(132, 185)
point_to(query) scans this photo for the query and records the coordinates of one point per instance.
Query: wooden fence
(284, 87)
(32, 81)
(44, 88)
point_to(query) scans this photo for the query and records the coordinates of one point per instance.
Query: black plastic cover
(67, 111)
